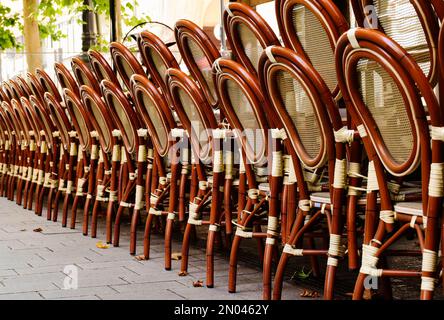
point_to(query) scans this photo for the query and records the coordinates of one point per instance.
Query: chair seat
(411, 208)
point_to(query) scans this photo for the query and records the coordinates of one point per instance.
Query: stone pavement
(34, 265)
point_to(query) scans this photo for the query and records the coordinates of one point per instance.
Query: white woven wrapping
(141, 154)
(243, 234)
(218, 161)
(253, 194)
(273, 226)
(295, 252)
(270, 54)
(340, 175)
(229, 164)
(372, 183)
(362, 131)
(436, 185)
(370, 261)
(304, 205)
(139, 203)
(277, 164)
(344, 135)
(73, 149)
(116, 153)
(351, 35)
(388, 216)
(437, 133)
(213, 227)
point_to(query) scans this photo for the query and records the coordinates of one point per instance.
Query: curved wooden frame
(430, 24)
(329, 16)
(265, 115)
(58, 116)
(186, 31)
(121, 54)
(178, 80)
(242, 14)
(141, 86)
(83, 74)
(47, 84)
(65, 78)
(73, 101)
(101, 67)
(115, 99)
(90, 98)
(149, 41)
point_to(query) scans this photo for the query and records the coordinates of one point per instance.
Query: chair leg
(186, 247)
(232, 273)
(147, 236)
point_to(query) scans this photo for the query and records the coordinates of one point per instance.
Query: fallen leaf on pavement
(140, 257)
(102, 245)
(182, 273)
(38, 230)
(198, 284)
(176, 256)
(310, 294)
(23, 230)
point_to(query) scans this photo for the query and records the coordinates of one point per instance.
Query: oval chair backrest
(199, 54)
(100, 118)
(303, 103)
(37, 90)
(247, 110)
(59, 118)
(123, 115)
(24, 86)
(411, 23)
(101, 67)
(66, 80)
(194, 112)
(125, 62)
(384, 88)
(79, 117)
(43, 115)
(312, 29)
(155, 112)
(157, 58)
(248, 34)
(47, 84)
(35, 123)
(83, 74)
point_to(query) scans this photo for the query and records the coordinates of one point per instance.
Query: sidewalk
(32, 265)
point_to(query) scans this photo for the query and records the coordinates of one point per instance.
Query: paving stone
(21, 296)
(80, 292)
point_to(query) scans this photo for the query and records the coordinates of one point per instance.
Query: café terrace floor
(36, 255)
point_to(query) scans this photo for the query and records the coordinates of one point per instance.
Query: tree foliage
(48, 18)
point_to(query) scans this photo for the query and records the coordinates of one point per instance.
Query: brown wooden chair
(160, 192)
(134, 147)
(109, 161)
(251, 117)
(373, 69)
(89, 146)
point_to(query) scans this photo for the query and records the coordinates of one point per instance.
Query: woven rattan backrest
(34, 122)
(311, 28)
(36, 87)
(123, 114)
(46, 122)
(83, 74)
(79, 117)
(155, 112)
(199, 54)
(22, 124)
(125, 62)
(100, 118)
(157, 58)
(384, 98)
(248, 34)
(101, 67)
(245, 107)
(411, 23)
(66, 80)
(47, 84)
(194, 112)
(59, 118)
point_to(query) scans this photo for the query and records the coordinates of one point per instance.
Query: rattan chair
(109, 161)
(383, 87)
(125, 63)
(250, 117)
(158, 119)
(134, 147)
